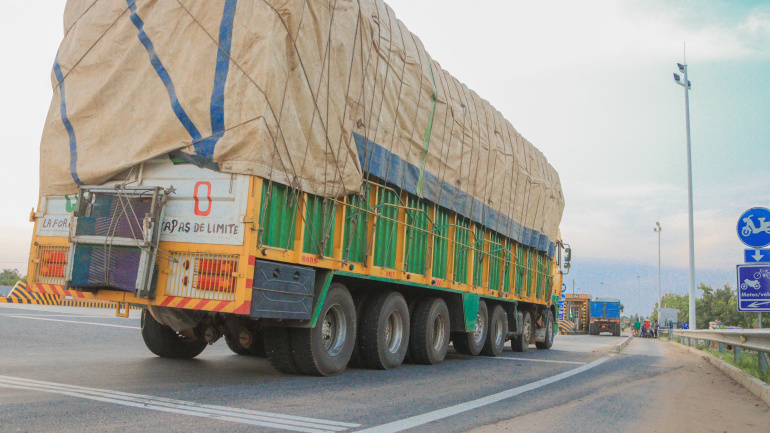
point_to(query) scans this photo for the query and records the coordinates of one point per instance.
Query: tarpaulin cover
(315, 94)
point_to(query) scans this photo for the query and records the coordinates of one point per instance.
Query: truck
(605, 316)
(318, 192)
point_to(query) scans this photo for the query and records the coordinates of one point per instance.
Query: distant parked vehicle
(605, 316)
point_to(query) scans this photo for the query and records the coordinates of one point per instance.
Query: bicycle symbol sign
(754, 227)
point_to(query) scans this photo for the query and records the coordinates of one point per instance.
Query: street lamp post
(686, 84)
(608, 286)
(660, 299)
(640, 294)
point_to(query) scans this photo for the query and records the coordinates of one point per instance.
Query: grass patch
(749, 362)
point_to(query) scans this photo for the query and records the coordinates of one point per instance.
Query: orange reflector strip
(216, 267)
(51, 270)
(53, 256)
(220, 284)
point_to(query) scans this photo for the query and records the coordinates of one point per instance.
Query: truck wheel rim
(479, 332)
(499, 331)
(438, 333)
(394, 332)
(527, 332)
(333, 330)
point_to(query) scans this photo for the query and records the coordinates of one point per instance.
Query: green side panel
(521, 261)
(319, 226)
(279, 216)
(441, 244)
(540, 280)
(478, 259)
(356, 220)
(386, 237)
(462, 236)
(506, 287)
(418, 224)
(471, 309)
(494, 261)
(549, 278)
(529, 271)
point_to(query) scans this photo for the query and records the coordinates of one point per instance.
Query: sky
(587, 82)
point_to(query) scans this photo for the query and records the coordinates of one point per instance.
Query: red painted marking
(199, 305)
(252, 260)
(167, 301)
(197, 209)
(249, 283)
(184, 302)
(244, 308)
(221, 306)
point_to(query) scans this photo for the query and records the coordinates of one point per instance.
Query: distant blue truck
(605, 316)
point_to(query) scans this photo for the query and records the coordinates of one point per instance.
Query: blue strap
(67, 125)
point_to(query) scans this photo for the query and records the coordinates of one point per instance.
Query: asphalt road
(75, 369)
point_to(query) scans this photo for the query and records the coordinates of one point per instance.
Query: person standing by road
(637, 326)
(656, 329)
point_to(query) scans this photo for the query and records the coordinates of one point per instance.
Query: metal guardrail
(757, 340)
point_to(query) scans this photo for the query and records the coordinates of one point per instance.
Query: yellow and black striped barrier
(566, 327)
(20, 295)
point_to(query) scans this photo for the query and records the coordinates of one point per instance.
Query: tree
(9, 277)
(672, 300)
(714, 305)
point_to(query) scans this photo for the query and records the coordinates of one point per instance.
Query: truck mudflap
(282, 291)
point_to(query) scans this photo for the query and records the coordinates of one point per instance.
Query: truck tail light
(52, 270)
(216, 267)
(51, 264)
(215, 274)
(219, 284)
(53, 256)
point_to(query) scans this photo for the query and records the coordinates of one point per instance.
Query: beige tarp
(297, 91)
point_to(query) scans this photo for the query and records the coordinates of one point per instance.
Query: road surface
(84, 370)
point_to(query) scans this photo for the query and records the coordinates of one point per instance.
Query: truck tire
(521, 342)
(256, 349)
(325, 349)
(429, 338)
(616, 330)
(548, 343)
(356, 360)
(385, 331)
(471, 343)
(278, 350)
(497, 331)
(592, 329)
(167, 343)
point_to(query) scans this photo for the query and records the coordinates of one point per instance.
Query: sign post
(754, 276)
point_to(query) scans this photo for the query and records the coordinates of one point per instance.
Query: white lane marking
(243, 416)
(426, 418)
(540, 360)
(74, 321)
(89, 316)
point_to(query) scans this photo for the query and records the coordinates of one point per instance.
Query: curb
(751, 383)
(620, 346)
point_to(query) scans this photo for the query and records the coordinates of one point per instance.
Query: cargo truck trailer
(317, 191)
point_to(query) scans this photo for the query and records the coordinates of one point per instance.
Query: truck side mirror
(567, 256)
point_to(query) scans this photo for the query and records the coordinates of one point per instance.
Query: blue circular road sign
(754, 227)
